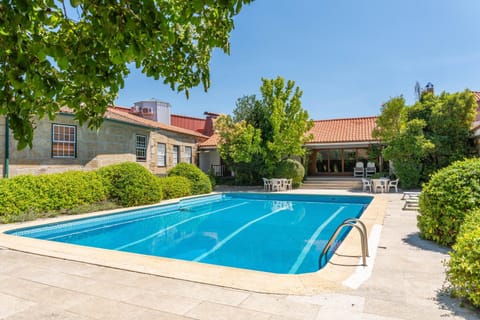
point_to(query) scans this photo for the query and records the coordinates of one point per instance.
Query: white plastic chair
(358, 171)
(366, 184)
(378, 184)
(267, 184)
(371, 169)
(393, 184)
(287, 184)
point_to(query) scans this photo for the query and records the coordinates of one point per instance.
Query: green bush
(463, 269)
(176, 187)
(131, 184)
(290, 169)
(200, 181)
(213, 178)
(445, 200)
(27, 197)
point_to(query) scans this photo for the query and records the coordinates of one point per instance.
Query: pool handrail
(350, 222)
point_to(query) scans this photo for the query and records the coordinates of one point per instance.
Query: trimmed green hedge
(463, 269)
(290, 169)
(176, 187)
(24, 196)
(200, 181)
(450, 194)
(131, 184)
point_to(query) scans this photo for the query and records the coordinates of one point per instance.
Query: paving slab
(407, 282)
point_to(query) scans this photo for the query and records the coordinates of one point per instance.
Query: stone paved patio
(406, 283)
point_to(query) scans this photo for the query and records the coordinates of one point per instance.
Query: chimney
(209, 123)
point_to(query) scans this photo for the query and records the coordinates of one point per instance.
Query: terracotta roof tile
(477, 95)
(329, 131)
(343, 130)
(210, 142)
(123, 116)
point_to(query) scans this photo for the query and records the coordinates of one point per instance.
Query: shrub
(200, 181)
(463, 269)
(27, 197)
(130, 184)
(450, 194)
(176, 187)
(290, 169)
(213, 177)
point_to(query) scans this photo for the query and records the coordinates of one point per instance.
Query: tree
(52, 56)
(279, 122)
(427, 136)
(239, 147)
(245, 108)
(451, 123)
(408, 151)
(392, 120)
(284, 132)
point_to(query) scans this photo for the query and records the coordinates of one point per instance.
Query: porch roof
(345, 130)
(335, 132)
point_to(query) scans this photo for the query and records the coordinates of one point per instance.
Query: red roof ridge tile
(347, 119)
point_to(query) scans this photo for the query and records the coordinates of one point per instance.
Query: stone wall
(169, 139)
(114, 142)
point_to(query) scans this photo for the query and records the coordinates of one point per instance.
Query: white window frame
(64, 144)
(161, 155)
(141, 147)
(188, 156)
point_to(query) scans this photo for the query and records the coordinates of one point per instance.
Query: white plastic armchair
(366, 185)
(358, 171)
(393, 185)
(371, 169)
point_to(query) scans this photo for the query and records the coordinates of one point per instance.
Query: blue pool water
(278, 233)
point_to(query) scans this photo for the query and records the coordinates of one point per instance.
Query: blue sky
(347, 56)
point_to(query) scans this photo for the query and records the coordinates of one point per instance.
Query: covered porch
(341, 159)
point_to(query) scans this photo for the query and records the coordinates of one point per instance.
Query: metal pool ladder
(350, 222)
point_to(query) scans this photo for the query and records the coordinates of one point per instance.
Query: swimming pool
(278, 233)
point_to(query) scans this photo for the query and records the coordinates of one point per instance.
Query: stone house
(62, 144)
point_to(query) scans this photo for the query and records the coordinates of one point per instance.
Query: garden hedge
(131, 184)
(24, 197)
(176, 187)
(200, 181)
(463, 268)
(451, 193)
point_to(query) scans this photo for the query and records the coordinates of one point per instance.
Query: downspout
(7, 153)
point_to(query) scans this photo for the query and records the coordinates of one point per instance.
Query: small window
(188, 155)
(176, 155)
(161, 155)
(64, 141)
(141, 148)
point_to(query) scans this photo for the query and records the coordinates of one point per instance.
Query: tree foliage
(264, 131)
(428, 135)
(54, 55)
(408, 151)
(392, 119)
(239, 147)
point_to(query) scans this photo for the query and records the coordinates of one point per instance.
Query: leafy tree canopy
(392, 119)
(264, 131)
(427, 136)
(77, 55)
